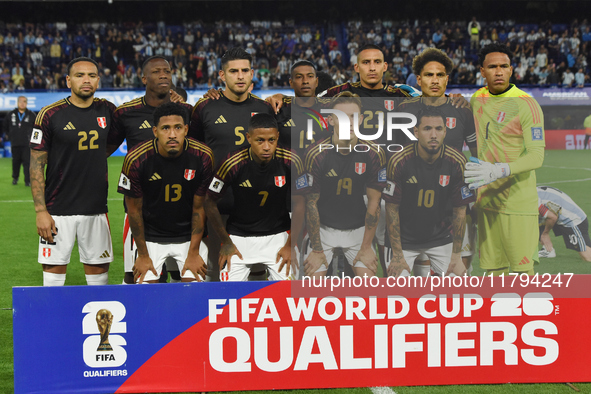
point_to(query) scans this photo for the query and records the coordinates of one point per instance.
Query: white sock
(51, 279)
(98, 280)
(421, 270)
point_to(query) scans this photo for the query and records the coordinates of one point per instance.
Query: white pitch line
(568, 168)
(573, 180)
(382, 390)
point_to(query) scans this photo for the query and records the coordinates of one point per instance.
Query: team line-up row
(239, 162)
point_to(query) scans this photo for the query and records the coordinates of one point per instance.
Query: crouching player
(342, 171)
(257, 230)
(426, 200)
(164, 181)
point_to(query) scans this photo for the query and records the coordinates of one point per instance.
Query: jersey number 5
(239, 133)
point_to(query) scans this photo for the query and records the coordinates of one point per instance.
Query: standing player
(70, 137)
(560, 213)
(587, 126)
(432, 68)
(426, 200)
(258, 226)
(510, 133)
(222, 124)
(295, 113)
(164, 181)
(132, 121)
(340, 176)
(378, 99)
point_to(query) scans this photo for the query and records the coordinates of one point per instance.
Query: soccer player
(426, 200)
(294, 114)
(510, 135)
(432, 68)
(378, 99)
(18, 126)
(371, 68)
(70, 137)
(222, 124)
(164, 181)
(341, 172)
(261, 180)
(558, 212)
(587, 126)
(132, 121)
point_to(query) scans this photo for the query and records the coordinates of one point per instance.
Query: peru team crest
(501, 117)
(444, 180)
(360, 168)
(102, 121)
(46, 252)
(450, 123)
(189, 174)
(389, 104)
(279, 181)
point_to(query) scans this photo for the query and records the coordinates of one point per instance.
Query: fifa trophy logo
(104, 320)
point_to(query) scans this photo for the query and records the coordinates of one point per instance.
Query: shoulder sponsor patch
(382, 175)
(466, 192)
(310, 180)
(36, 136)
(537, 134)
(124, 182)
(389, 189)
(302, 182)
(216, 185)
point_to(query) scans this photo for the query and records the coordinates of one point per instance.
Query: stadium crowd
(34, 56)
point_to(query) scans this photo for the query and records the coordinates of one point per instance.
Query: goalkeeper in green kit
(510, 135)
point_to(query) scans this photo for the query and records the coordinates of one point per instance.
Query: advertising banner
(338, 332)
(565, 139)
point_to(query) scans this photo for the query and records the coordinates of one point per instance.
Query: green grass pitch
(569, 171)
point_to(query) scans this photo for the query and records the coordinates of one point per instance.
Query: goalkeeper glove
(409, 89)
(479, 173)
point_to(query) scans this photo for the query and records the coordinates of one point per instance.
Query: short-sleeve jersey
(167, 187)
(75, 140)
(222, 124)
(507, 125)
(426, 195)
(376, 103)
(341, 180)
(568, 212)
(133, 122)
(262, 193)
(295, 122)
(459, 122)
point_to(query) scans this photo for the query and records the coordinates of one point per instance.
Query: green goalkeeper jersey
(509, 126)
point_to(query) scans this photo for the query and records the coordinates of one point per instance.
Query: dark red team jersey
(262, 193)
(459, 122)
(76, 141)
(222, 124)
(294, 121)
(341, 180)
(133, 122)
(427, 194)
(377, 103)
(167, 187)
